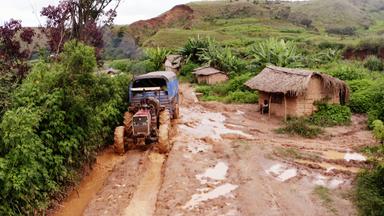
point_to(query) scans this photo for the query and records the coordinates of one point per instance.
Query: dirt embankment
(179, 16)
(363, 53)
(227, 160)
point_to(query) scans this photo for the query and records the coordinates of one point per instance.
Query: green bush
(61, 114)
(370, 43)
(370, 192)
(331, 45)
(142, 67)
(376, 111)
(362, 93)
(241, 97)
(8, 84)
(345, 70)
(331, 115)
(186, 71)
(378, 130)
(342, 30)
(301, 127)
(374, 64)
(123, 65)
(233, 91)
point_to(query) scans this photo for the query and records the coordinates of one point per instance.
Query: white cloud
(129, 11)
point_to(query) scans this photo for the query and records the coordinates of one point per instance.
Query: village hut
(293, 92)
(209, 75)
(173, 63)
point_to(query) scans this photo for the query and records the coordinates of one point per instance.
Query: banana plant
(277, 52)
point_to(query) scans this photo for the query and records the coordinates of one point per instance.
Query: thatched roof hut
(210, 75)
(301, 87)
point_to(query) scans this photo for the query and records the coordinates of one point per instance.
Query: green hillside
(313, 22)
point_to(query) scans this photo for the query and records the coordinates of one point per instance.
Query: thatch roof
(293, 81)
(206, 71)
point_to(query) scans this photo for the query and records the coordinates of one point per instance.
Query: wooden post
(269, 106)
(285, 108)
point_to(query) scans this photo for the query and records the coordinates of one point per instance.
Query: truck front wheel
(163, 139)
(119, 140)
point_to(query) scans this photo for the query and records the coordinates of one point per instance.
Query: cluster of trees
(82, 20)
(13, 59)
(78, 20)
(56, 114)
(60, 115)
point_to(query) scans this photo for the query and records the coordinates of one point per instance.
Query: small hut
(293, 92)
(173, 63)
(209, 75)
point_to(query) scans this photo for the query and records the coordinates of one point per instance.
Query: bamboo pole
(285, 108)
(269, 106)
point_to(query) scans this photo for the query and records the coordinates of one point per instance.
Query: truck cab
(162, 85)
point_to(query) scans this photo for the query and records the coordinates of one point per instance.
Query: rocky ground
(228, 160)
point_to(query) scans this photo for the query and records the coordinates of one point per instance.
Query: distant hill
(313, 21)
(334, 13)
(246, 21)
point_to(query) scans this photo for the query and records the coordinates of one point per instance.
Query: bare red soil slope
(178, 16)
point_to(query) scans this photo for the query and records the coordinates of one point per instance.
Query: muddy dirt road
(227, 160)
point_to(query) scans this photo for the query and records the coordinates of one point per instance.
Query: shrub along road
(228, 160)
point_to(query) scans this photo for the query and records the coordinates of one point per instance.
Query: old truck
(153, 102)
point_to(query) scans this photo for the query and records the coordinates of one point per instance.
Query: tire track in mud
(144, 198)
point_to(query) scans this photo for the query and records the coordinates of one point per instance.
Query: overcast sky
(129, 11)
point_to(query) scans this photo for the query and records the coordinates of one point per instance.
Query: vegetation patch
(300, 127)
(373, 63)
(61, 115)
(370, 192)
(287, 152)
(325, 196)
(378, 130)
(331, 115)
(233, 91)
(186, 72)
(345, 70)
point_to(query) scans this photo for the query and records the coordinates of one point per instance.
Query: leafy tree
(13, 59)
(82, 20)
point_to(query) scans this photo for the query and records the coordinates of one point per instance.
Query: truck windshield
(154, 82)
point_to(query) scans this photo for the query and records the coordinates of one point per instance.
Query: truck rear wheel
(119, 140)
(128, 118)
(165, 123)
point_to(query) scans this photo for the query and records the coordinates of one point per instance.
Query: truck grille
(140, 125)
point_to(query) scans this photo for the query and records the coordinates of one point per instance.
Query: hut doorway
(342, 97)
